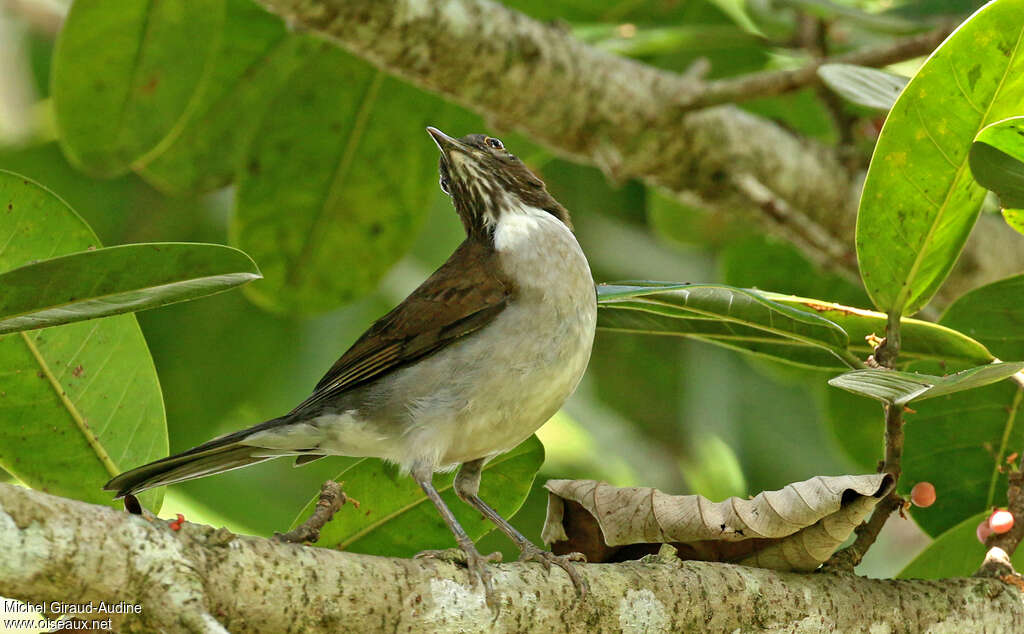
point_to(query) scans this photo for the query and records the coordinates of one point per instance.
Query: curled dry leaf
(796, 528)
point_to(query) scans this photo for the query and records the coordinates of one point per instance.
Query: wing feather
(461, 297)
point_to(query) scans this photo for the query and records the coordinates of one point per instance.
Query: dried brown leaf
(796, 528)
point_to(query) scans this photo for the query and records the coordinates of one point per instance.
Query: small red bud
(923, 494)
(1000, 522)
(983, 531)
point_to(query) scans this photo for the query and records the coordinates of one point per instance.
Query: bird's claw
(565, 562)
(454, 555)
(475, 563)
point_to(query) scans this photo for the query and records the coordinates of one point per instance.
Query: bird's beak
(446, 143)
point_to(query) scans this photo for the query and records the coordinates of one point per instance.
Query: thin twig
(332, 498)
(768, 83)
(1002, 546)
(848, 558)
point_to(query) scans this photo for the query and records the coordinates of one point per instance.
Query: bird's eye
(494, 143)
(444, 185)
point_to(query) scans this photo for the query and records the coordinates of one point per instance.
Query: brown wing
(459, 298)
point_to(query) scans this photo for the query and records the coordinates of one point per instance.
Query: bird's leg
(475, 562)
(467, 486)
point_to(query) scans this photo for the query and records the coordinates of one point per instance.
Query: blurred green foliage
(316, 165)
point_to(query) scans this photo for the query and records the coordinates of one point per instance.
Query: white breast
(488, 392)
(485, 395)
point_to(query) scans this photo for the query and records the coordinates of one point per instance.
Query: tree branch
(629, 119)
(764, 84)
(202, 580)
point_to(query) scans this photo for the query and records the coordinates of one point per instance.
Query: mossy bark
(205, 580)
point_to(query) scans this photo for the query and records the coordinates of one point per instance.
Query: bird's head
(485, 180)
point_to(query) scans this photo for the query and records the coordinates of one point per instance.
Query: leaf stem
(848, 558)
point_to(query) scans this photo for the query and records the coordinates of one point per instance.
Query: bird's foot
(476, 563)
(565, 562)
(454, 555)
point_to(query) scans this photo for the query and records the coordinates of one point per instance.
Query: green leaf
(899, 388)
(955, 553)
(742, 317)
(998, 171)
(335, 183)
(737, 12)
(992, 314)
(124, 74)
(395, 518)
(256, 56)
(81, 402)
(921, 340)
(1006, 135)
(959, 443)
(1014, 218)
(117, 280)
(868, 87)
(919, 201)
(997, 160)
(641, 320)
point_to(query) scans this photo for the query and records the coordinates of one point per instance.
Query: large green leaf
(997, 160)
(81, 402)
(124, 74)
(116, 280)
(732, 313)
(955, 553)
(335, 183)
(919, 201)
(627, 318)
(868, 87)
(958, 443)
(256, 56)
(899, 388)
(636, 311)
(395, 518)
(921, 340)
(994, 315)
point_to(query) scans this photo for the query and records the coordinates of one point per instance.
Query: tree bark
(199, 579)
(629, 119)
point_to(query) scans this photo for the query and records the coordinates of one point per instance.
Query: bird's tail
(215, 456)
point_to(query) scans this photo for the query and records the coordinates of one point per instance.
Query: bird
(468, 366)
